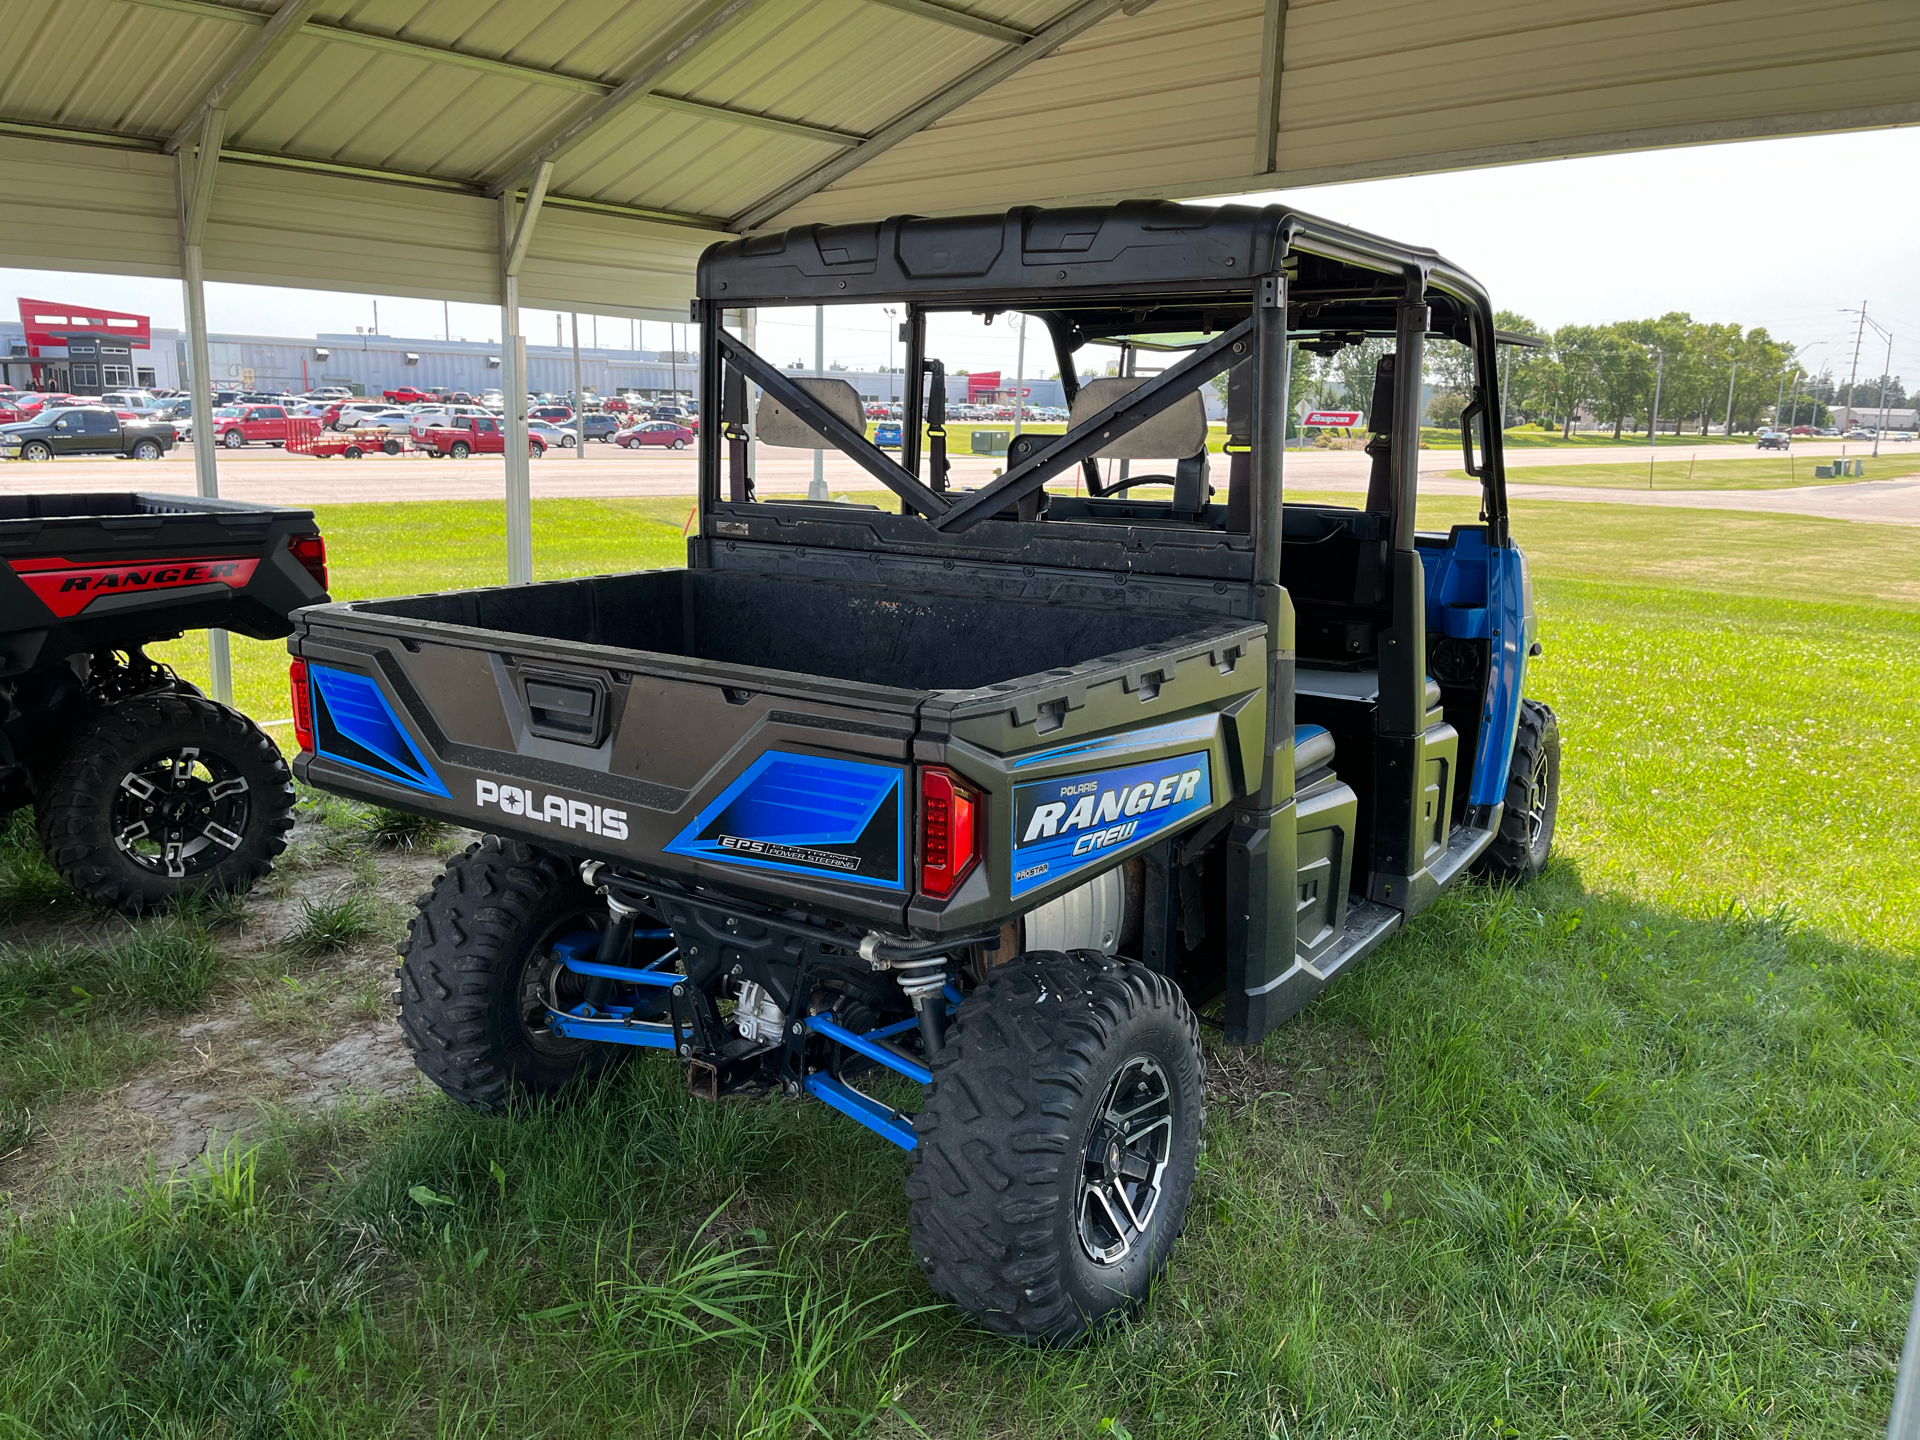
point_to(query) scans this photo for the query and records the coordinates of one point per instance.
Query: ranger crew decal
(1064, 825)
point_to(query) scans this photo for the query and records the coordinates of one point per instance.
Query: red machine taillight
(950, 815)
(311, 552)
(302, 704)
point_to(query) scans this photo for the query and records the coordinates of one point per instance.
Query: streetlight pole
(893, 385)
(1653, 420)
(1730, 374)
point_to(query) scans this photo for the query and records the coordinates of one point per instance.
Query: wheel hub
(181, 813)
(1126, 1158)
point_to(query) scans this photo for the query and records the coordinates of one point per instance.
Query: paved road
(606, 472)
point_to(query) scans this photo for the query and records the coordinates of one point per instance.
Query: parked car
(240, 425)
(551, 435)
(599, 426)
(655, 432)
(473, 435)
(427, 417)
(352, 413)
(556, 413)
(407, 395)
(84, 430)
(1773, 440)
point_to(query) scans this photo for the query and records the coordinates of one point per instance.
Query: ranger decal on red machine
(66, 587)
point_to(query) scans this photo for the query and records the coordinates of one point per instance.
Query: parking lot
(607, 472)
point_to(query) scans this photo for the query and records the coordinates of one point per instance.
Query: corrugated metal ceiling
(946, 105)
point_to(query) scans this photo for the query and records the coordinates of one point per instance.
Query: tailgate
(792, 787)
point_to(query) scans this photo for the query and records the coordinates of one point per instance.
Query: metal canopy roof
(365, 140)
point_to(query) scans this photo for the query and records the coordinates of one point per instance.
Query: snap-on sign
(1067, 824)
(66, 587)
(1333, 419)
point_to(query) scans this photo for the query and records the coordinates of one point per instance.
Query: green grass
(1631, 1152)
(1529, 437)
(1762, 472)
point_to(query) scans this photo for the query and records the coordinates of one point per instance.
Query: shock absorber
(615, 941)
(925, 984)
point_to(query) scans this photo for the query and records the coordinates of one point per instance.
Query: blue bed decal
(807, 815)
(1066, 824)
(353, 725)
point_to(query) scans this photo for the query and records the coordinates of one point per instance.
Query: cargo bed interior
(877, 634)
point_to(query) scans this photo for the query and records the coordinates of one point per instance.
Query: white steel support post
(817, 490)
(195, 167)
(516, 230)
(579, 399)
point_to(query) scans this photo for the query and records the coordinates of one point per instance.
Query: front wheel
(164, 795)
(1525, 842)
(233, 439)
(36, 450)
(1058, 1148)
(478, 973)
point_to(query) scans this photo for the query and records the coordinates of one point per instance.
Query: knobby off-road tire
(1019, 1128)
(1525, 843)
(476, 971)
(164, 795)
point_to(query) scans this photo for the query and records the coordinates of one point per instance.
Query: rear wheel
(1058, 1147)
(679, 444)
(459, 449)
(478, 972)
(536, 449)
(1525, 843)
(146, 449)
(163, 795)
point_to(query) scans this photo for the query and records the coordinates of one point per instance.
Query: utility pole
(1020, 376)
(1653, 420)
(1730, 374)
(1859, 334)
(818, 489)
(1880, 427)
(1780, 399)
(376, 317)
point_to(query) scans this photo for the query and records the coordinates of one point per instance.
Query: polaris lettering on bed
(532, 806)
(1064, 825)
(808, 815)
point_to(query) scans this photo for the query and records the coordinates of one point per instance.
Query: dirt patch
(282, 1034)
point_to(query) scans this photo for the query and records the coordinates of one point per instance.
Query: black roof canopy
(1136, 266)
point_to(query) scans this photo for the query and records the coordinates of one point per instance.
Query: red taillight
(302, 704)
(311, 552)
(950, 814)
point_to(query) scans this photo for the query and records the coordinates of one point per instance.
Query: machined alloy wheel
(146, 450)
(233, 439)
(36, 450)
(459, 449)
(1125, 1164)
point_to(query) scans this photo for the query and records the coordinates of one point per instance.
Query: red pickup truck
(407, 395)
(239, 425)
(466, 435)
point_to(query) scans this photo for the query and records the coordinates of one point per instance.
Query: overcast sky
(1780, 233)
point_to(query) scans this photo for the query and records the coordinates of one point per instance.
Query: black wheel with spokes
(1058, 1147)
(1525, 843)
(163, 795)
(1123, 1173)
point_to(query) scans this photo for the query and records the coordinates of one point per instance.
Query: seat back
(1177, 433)
(774, 424)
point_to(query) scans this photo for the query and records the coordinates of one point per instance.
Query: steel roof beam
(512, 70)
(1080, 18)
(1273, 64)
(942, 14)
(151, 145)
(717, 15)
(278, 33)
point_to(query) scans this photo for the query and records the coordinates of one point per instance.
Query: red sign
(982, 382)
(50, 322)
(1333, 419)
(67, 588)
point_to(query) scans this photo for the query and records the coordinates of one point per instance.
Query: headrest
(1176, 433)
(774, 424)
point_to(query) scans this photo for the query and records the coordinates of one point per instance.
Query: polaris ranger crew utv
(144, 790)
(994, 792)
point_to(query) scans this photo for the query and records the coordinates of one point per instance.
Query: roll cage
(1239, 282)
